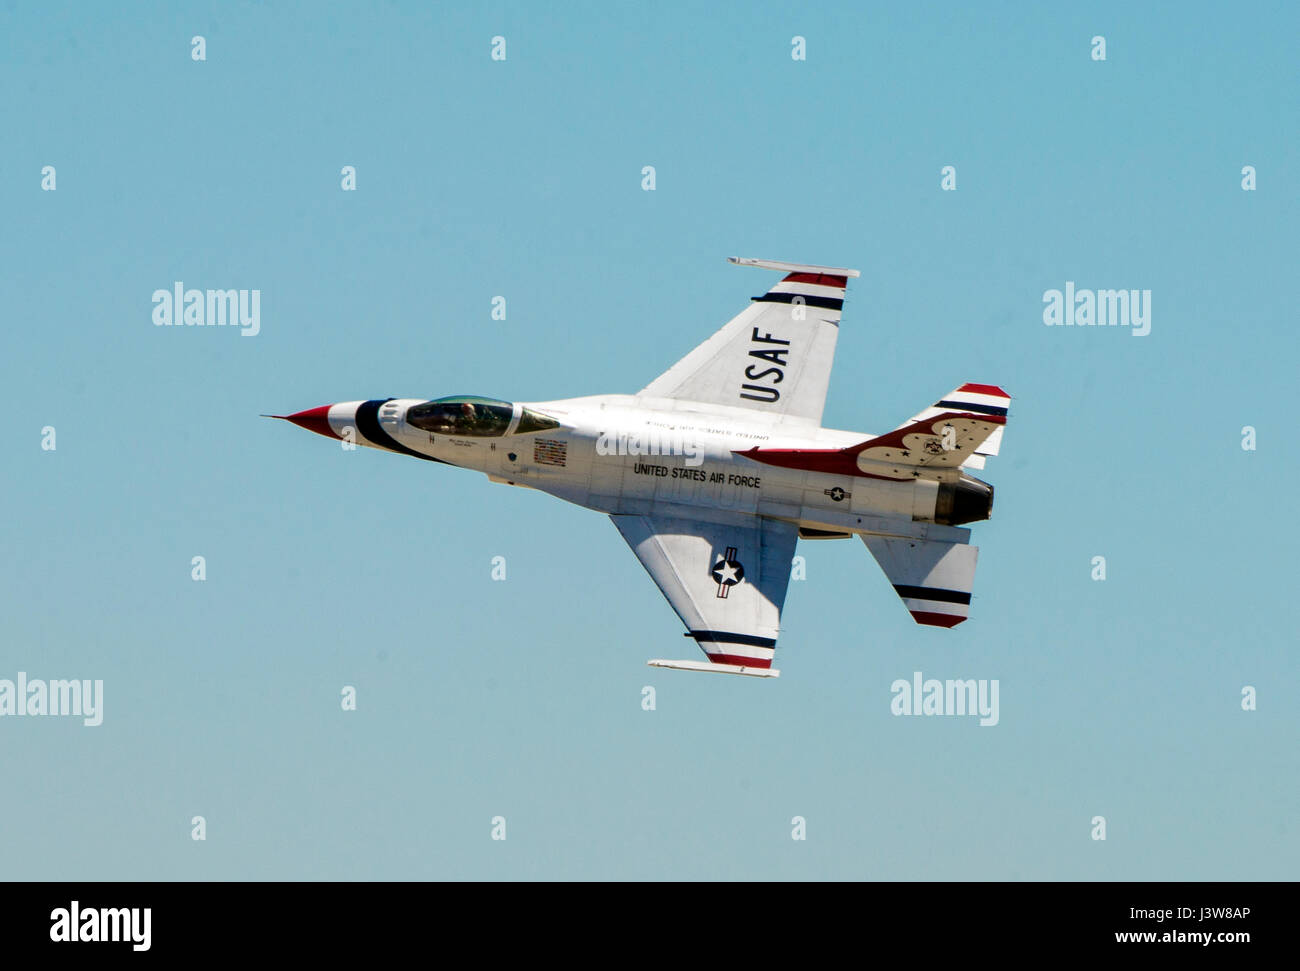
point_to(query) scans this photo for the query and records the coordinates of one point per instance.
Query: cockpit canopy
(473, 417)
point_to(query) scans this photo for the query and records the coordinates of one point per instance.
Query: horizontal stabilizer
(933, 579)
(716, 668)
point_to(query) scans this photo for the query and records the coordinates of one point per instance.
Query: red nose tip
(314, 420)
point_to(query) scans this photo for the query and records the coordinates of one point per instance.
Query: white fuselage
(629, 455)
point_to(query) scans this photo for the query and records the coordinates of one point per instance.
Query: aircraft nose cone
(313, 419)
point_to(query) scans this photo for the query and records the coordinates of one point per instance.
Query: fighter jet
(716, 469)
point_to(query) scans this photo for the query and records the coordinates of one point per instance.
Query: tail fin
(976, 399)
(954, 433)
(933, 448)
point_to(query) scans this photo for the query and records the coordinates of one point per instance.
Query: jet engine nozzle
(968, 500)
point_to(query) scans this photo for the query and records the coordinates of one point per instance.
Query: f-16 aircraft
(718, 467)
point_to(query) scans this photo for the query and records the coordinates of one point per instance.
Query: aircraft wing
(726, 582)
(775, 356)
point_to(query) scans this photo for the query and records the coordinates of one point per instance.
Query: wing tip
(716, 668)
(793, 267)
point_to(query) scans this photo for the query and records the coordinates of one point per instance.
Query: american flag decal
(550, 451)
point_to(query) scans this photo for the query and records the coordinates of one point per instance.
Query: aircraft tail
(972, 399)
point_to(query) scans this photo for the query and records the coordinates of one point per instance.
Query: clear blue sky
(522, 178)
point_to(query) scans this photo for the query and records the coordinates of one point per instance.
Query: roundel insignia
(727, 572)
